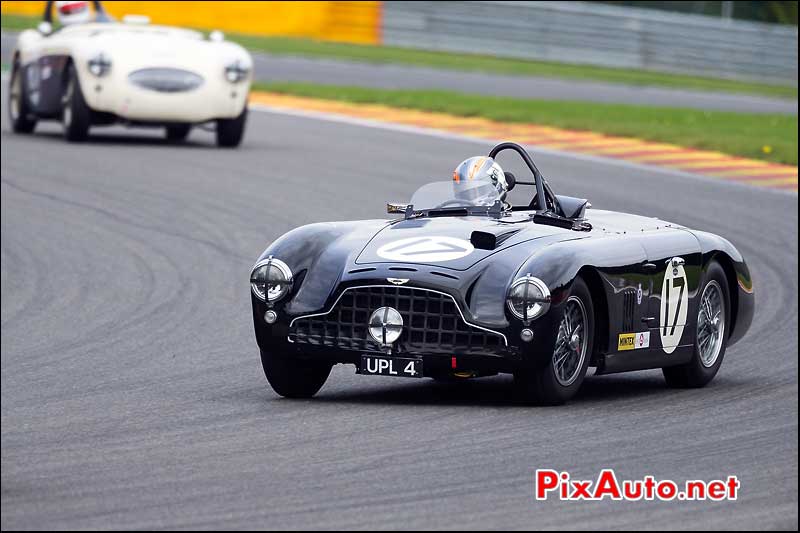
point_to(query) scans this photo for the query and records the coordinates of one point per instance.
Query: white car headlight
(271, 279)
(236, 72)
(99, 65)
(528, 298)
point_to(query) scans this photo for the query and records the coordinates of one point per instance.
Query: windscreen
(455, 194)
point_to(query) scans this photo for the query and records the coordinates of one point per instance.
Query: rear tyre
(711, 338)
(76, 115)
(294, 378)
(231, 130)
(18, 111)
(559, 380)
(178, 132)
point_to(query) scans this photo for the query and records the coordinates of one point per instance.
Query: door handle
(648, 319)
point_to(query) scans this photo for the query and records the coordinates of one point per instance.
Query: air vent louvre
(628, 307)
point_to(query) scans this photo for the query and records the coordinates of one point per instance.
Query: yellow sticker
(626, 341)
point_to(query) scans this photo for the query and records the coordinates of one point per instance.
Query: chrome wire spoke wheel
(15, 95)
(570, 350)
(66, 103)
(710, 324)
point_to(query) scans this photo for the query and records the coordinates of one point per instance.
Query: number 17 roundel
(674, 303)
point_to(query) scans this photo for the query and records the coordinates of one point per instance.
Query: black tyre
(294, 378)
(75, 115)
(18, 110)
(231, 130)
(178, 132)
(559, 379)
(711, 338)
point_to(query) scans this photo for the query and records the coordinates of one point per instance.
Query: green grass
(743, 134)
(473, 62)
(18, 22)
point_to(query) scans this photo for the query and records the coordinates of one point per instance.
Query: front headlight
(528, 298)
(236, 72)
(99, 65)
(271, 279)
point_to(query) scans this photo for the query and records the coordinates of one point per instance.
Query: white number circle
(431, 249)
(674, 304)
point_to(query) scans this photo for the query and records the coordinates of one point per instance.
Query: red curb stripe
(677, 160)
(628, 155)
(726, 168)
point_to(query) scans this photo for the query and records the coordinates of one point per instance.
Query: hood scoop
(485, 240)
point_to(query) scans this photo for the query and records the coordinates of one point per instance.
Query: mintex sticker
(633, 341)
(626, 341)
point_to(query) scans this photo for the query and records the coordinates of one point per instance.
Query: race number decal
(674, 303)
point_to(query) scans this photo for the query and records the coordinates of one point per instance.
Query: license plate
(375, 365)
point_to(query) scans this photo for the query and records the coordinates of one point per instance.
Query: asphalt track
(132, 393)
(268, 67)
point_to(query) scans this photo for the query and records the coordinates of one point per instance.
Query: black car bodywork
(455, 312)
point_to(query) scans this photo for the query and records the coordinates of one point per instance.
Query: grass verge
(474, 62)
(770, 137)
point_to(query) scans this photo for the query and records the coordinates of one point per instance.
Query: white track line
(431, 132)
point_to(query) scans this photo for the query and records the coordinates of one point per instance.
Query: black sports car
(462, 284)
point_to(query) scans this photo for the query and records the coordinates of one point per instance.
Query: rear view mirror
(45, 28)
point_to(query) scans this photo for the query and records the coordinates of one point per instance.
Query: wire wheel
(15, 95)
(710, 324)
(66, 103)
(571, 343)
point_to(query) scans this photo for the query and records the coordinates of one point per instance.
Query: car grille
(165, 80)
(431, 323)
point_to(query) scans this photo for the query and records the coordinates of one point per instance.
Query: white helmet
(480, 175)
(73, 13)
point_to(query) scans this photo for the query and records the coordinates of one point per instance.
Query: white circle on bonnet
(431, 249)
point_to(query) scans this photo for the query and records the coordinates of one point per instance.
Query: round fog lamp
(270, 316)
(385, 325)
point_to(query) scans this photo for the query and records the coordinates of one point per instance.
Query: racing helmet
(73, 12)
(480, 180)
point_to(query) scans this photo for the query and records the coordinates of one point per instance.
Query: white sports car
(103, 72)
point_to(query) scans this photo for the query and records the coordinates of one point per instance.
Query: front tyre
(21, 119)
(294, 378)
(711, 338)
(559, 380)
(231, 130)
(75, 115)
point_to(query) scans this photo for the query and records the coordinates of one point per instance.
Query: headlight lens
(528, 298)
(271, 279)
(99, 65)
(236, 72)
